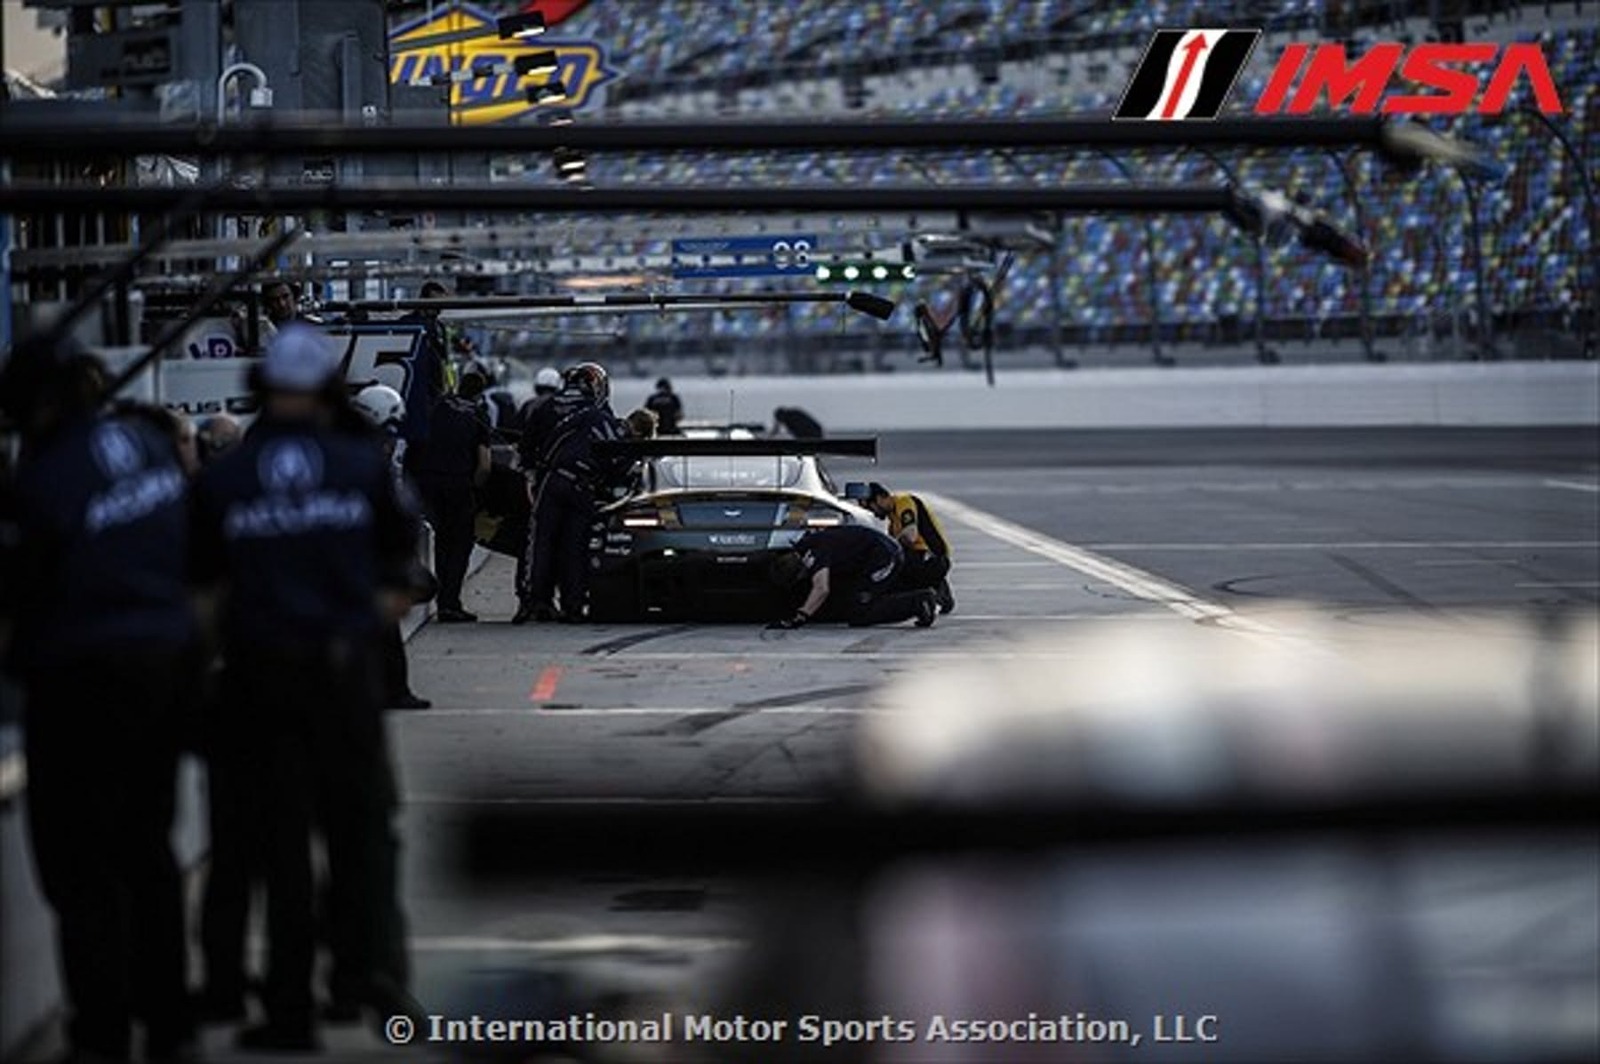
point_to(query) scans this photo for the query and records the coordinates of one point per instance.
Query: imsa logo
(1186, 74)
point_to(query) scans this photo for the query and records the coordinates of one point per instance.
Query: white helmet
(381, 405)
(549, 377)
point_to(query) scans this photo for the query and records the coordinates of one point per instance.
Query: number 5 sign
(389, 354)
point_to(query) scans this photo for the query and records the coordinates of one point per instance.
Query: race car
(695, 536)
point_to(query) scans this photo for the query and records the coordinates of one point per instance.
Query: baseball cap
(299, 359)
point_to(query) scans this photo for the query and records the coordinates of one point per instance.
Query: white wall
(1530, 393)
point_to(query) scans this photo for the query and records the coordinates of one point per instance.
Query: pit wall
(1452, 394)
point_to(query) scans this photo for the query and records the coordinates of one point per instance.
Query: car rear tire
(613, 599)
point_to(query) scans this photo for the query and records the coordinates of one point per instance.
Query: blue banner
(792, 255)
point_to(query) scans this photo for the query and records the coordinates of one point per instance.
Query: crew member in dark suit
(104, 648)
(446, 467)
(569, 475)
(302, 532)
(667, 407)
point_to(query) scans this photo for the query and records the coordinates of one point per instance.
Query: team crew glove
(797, 621)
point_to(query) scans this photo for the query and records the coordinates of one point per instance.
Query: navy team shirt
(304, 526)
(102, 540)
(853, 553)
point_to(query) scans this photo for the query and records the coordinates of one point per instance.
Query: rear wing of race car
(677, 447)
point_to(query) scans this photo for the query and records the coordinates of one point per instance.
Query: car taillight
(642, 519)
(824, 518)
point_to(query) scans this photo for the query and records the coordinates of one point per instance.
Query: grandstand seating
(1534, 233)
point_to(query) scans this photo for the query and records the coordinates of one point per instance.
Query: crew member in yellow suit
(927, 548)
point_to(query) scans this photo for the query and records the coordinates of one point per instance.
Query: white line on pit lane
(1529, 544)
(844, 655)
(574, 944)
(1573, 485)
(964, 566)
(1561, 583)
(641, 711)
(1135, 581)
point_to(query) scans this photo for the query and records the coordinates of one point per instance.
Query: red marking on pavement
(544, 688)
(1193, 50)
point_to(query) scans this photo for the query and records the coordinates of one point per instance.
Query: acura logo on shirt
(290, 467)
(116, 451)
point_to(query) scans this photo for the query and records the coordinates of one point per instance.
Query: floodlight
(873, 305)
(520, 26)
(536, 64)
(1268, 213)
(1410, 142)
(551, 91)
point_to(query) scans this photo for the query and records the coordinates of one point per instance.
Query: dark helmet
(663, 385)
(591, 377)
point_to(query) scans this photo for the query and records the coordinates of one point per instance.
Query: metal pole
(301, 199)
(1591, 322)
(1265, 355)
(1486, 348)
(1057, 307)
(273, 137)
(208, 299)
(1342, 164)
(189, 204)
(1151, 280)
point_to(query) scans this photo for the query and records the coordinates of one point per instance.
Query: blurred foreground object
(1317, 838)
(1346, 900)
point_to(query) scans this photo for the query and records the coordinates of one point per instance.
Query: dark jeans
(560, 539)
(450, 509)
(236, 867)
(102, 768)
(352, 976)
(922, 569)
(396, 670)
(867, 603)
(318, 760)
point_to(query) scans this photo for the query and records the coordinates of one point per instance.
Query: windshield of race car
(728, 472)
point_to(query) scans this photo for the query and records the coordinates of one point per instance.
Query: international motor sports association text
(806, 1029)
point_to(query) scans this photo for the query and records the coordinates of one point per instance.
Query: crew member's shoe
(927, 609)
(454, 615)
(409, 700)
(947, 601)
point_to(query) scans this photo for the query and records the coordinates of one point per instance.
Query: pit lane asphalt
(1392, 527)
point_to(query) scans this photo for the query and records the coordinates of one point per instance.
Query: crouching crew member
(853, 569)
(301, 530)
(103, 647)
(569, 476)
(912, 524)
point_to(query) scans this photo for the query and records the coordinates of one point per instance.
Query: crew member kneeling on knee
(853, 569)
(913, 526)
